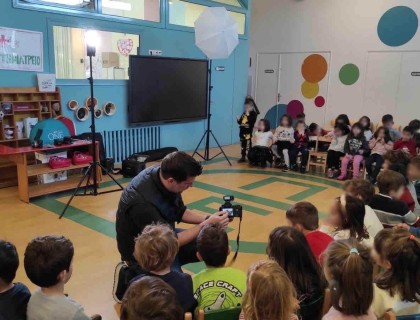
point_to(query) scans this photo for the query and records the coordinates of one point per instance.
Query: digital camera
(233, 210)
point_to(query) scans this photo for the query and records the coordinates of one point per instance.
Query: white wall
(348, 30)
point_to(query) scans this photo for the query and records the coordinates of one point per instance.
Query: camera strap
(238, 237)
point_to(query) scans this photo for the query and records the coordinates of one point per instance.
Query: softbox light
(216, 33)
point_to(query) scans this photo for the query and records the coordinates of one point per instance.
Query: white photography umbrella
(216, 33)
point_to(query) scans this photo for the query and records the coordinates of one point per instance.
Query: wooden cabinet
(18, 104)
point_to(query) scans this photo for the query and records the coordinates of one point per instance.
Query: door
(266, 93)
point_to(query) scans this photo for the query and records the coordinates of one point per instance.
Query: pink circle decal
(294, 108)
(319, 101)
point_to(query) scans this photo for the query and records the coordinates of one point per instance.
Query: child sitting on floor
(336, 150)
(349, 270)
(364, 190)
(299, 146)
(290, 249)
(387, 206)
(397, 287)
(388, 122)
(283, 139)
(270, 293)
(303, 216)
(155, 251)
(150, 298)
(14, 297)
(365, 122)
(246, 123)
(217, 287)
(355, 149)
(347, 216)
(407, 143)
(260, 153)
(379, 145)
(49, 265)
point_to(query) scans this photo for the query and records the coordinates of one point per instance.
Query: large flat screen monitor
(167, 90)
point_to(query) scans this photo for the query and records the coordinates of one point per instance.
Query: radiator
(119, 144)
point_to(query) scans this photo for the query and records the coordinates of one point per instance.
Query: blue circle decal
(273, 115)
(398, 26)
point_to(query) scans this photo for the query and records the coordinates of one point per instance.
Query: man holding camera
(154, 196)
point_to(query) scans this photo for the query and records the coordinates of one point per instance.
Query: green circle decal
(349, 74)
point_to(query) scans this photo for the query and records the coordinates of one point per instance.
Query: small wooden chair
(225, 314)
(318, 159)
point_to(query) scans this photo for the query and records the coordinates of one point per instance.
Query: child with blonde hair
(155, 251)
(398, 285)
(349, 270)
(270, 294)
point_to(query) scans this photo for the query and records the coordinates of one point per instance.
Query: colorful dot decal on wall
(294, 108)
(319, 101)
(349, 74)
(398, 26)
(310, 90)
(314, 68)
(274, 113)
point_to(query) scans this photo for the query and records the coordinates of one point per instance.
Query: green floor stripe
(311, 189)
(306, 177)
(82, 217)
(240, 195)
(202, 205)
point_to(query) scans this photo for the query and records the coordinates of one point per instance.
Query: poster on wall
(21, 50)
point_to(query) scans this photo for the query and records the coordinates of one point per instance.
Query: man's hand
(220, 218)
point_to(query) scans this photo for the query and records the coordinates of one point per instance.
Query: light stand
(209, 132)
(95, 165)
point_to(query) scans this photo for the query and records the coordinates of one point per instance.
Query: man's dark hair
(180, 166)
(46, 257)
(305, 214)
(390, 180)
(9, 261)
(213, 245)
(387, 118)
(409, 130)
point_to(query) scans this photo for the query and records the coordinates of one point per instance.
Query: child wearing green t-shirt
(217, 287)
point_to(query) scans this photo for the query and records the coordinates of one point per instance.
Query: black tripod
(92, 170)
(208, 132)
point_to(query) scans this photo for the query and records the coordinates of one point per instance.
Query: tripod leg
(75, 191)
(220, 147)
(110, 175)
(198, 145)
(87, 185)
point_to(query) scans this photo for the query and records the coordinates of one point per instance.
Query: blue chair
(390, 315)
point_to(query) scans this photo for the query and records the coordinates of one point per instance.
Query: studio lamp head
(92, 41)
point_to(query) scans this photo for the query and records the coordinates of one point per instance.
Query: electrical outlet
(155, 52)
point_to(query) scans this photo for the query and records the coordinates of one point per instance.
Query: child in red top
(299, 146)
(303, 216)
(406, 143)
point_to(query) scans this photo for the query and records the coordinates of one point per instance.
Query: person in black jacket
(246, 123)
(154, 196)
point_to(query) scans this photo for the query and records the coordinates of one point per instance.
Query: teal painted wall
(229, 86)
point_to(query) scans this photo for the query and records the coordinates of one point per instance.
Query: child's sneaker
(330, 173)
(302, 170)
(341, 177)
(242, 160)
(294, 168)
(285, 168)
(336, 173)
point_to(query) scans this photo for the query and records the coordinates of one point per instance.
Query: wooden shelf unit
(40, 106)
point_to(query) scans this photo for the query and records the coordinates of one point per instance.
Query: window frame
(101, 26)
(208, 3)
(89, 13)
